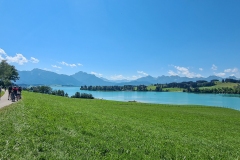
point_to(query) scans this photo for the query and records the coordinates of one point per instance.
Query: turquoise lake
(219, 100)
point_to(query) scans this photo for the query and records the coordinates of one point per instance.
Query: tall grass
(2, 93)
(51, 127)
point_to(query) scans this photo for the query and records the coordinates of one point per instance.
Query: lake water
(220, 100)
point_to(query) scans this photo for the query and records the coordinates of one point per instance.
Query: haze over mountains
(43, 77)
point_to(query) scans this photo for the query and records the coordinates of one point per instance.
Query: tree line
(195, 87)
(115, 88)
(49, 90)
(186, 86)
(108, 88)
(192, 87)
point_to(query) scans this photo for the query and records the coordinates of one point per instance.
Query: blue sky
(122, 39)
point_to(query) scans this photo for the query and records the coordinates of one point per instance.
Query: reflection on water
(220, 100)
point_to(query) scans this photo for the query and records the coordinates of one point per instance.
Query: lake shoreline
(180, 98)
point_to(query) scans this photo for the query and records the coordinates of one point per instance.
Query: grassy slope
(51, 127)
(153, 88)
(220, 85)
(173, 89)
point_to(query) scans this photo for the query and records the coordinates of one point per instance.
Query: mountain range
(43, 77)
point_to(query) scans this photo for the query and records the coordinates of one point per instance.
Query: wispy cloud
(233, 70)
(171, 73)
(55, 66)
(183, 71)
(143, 73)
(2, 52)
(18, 58)
(121, 77)
(221, 74)
(214, 67)
(97, 74)
(140, 74)
(34, 60)
(200, 69)
(70, 65)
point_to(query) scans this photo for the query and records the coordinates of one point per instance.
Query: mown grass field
(221, 85)
(51, 127)
(153, 88)
(172, 89)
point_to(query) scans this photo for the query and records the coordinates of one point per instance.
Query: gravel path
(4, 100)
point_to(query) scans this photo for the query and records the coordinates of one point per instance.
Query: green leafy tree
(8, 73)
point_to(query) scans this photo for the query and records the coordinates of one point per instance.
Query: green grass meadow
(172, 89)
(221, 85)
(51, 127)
(2, 93)
(153, 88)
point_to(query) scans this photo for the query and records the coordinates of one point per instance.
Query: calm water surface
(221, 100)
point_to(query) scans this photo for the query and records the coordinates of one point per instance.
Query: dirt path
(4, 100)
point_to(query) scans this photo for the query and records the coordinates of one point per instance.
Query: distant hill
(42, 77)
(90, 79)
(167, 79)
(116, 81)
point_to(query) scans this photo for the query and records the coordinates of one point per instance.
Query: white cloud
(34, 60)
(19, 58)
(117, 77)
(221, 74)
(234, 70)
(2, 52)
(55, 66)
(143, 73)
(121, 77)
(200, 69)
(183, 72)
(171, 73)
(214, 67)
(64, 63)
(97, 74)
(134, 77)
(79, 64)
(72, 65)
(67, 64)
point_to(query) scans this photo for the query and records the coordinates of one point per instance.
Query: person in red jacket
(15, 90)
